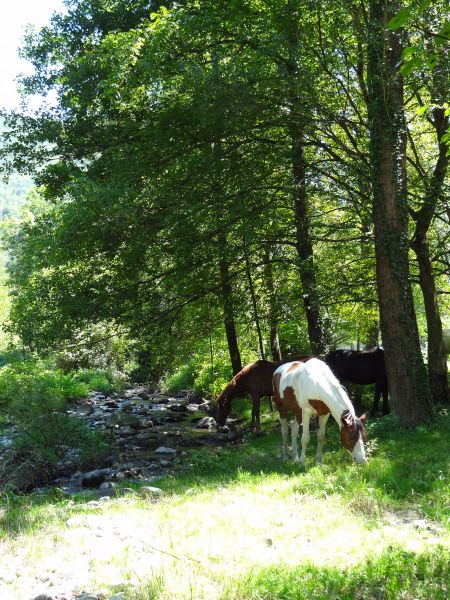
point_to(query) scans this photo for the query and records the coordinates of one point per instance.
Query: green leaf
(408, 51)
(432, 61)
(422, 110)
(400, 19)
(443, 37)
(410, 66)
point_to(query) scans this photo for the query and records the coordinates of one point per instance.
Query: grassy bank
(238, 523)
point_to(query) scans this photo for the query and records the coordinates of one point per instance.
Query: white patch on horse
(314, 380)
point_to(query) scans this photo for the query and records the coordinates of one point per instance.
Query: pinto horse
(363, 367)
(254, 379)
(309, 389)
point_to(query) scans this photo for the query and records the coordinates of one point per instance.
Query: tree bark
(253, 299)
(437, 355)
(273, 310)
(408, 383)
(304, 247)
(228, 311)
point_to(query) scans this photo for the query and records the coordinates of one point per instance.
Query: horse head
(222, 409)
(353, 435)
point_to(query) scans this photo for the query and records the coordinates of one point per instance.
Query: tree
(408, 383)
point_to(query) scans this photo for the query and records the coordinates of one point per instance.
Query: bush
(105, 381)
(34, 398)
(182, 379)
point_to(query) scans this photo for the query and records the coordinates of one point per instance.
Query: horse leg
(295, 426)
(386, 409)
(376, 400)
(306, 417)
(323, 419)
(256, 404)
(284, 435)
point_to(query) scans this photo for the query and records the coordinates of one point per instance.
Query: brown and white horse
(254, 379)
(309, 389)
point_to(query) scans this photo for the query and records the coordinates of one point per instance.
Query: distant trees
(206, 171)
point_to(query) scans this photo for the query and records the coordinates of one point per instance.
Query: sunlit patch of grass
(237, 522)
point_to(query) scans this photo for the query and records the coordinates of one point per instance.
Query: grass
(237, 523)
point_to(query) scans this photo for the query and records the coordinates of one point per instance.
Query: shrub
(34, 398)
(105, 381)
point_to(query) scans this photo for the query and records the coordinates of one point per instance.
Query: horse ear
(346, 418)
(363, 417)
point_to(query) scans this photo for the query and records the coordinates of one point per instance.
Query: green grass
(238, 523)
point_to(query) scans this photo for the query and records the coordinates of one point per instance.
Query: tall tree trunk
(228, 311)
(273, 309)
(437, 355)
(304, 247)
(408, 383)
(253, 299)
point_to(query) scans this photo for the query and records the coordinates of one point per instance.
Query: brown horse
(254, 379)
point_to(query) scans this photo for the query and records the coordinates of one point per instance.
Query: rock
(235, 434)
(148, 491)
(150, 441)
(124, 419)
(178, 407)
(164, 450)
(206, 423)
(107, 485)
(94, 478)
(43, 597)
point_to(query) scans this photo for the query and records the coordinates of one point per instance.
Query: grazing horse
(363, 367)
(254, 379)
(308, 389)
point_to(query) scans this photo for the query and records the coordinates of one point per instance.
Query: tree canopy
(205, 174)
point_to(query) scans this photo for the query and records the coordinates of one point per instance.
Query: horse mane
(232, 387)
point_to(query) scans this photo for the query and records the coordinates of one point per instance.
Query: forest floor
(232, 521)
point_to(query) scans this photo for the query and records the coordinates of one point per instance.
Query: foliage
(34, 399)
(102, 380)
(148, 226)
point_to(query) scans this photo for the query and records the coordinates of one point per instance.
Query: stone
(206, 423)
(164, 450)
(147, 491)
(94, 478)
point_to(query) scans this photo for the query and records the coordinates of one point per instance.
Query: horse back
(361, 367)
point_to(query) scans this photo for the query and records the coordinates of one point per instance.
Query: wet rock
(206, 423)
(94, 478)
(165, 451)
(148, 441)
(179, 407)
(85, 410)
(125, 419)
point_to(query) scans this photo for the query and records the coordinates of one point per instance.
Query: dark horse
(363, 367)
(254, 379)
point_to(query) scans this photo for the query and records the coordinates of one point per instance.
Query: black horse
(363, 367)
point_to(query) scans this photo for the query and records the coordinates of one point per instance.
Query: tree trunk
(437, 355)
(228, 312)
(408, 384)
(273, 310)
(253, 299)
(304, 247)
